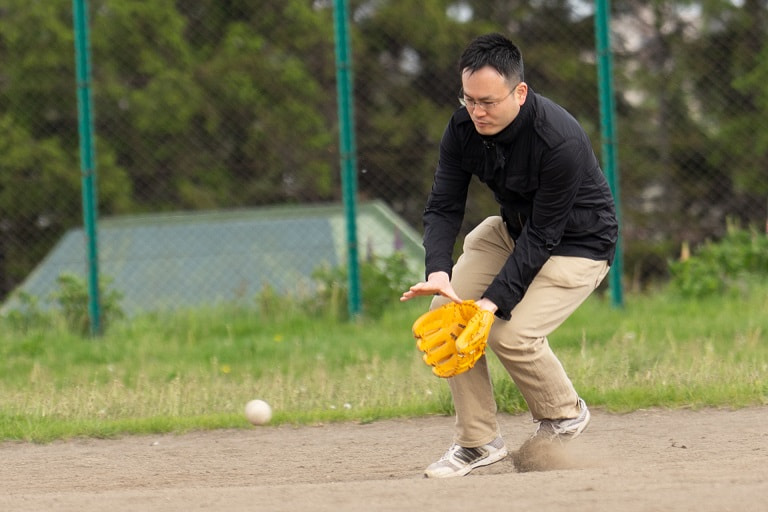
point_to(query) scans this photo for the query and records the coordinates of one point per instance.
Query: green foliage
(31, 314)
(729, 264)
(271, 304)
(211, 104)
(28, 314)
(382, 279)
(72, 297)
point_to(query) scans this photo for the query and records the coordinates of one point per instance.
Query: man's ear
(521, 92)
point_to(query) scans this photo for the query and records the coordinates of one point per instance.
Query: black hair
(496, 51)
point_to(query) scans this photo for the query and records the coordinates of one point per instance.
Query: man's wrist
(487, 304)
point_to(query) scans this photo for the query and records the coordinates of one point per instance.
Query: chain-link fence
(211, 106)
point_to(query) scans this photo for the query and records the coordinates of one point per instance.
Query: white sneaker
(458, 461)
(566, 429)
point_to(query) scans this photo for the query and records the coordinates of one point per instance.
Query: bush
(72, 297)
(28, 315)
(382, 280)
(729, 264)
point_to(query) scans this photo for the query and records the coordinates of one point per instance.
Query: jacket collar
(495, 157)
(523, 121)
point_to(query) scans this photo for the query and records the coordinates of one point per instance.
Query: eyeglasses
(485, 105)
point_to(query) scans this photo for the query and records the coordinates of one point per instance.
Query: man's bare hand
(437, 283)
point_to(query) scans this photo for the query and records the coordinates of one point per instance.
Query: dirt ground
(653, 460)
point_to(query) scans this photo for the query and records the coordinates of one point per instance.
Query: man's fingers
(455, 298)
(414, 291)
(451, 295)
(427, 288)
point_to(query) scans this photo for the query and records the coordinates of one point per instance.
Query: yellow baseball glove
(453, 336)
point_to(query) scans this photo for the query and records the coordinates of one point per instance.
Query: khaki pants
(521, 345)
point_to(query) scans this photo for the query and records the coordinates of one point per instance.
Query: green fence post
(87, 164)
(345, 98)
(608, 133)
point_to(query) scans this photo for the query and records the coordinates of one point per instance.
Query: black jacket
(553, 195)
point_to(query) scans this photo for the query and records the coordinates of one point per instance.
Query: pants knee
(513, 341)
(484, 233)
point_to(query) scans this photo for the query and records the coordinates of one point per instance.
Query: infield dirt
(651, 460)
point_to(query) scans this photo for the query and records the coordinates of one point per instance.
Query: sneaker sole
(494, 457)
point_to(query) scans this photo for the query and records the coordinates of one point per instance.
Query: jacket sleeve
(444, 211)
(561, 172)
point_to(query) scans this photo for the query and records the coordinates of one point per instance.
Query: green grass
(196, 370)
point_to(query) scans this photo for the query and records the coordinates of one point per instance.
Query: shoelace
(450, 451)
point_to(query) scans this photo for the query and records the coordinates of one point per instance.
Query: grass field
(197, 370)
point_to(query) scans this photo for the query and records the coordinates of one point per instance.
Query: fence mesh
(231, 105)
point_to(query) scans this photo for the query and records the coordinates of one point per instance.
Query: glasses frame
(486, 106)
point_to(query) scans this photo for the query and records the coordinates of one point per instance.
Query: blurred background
(216, 130)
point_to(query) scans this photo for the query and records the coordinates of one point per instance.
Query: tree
(220, 114)
(407, 82)
(39, 162)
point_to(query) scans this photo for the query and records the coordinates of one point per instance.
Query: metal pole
(87, 164)
(608, 133)
(345, 98)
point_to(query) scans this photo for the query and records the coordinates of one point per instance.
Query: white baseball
(258, 412)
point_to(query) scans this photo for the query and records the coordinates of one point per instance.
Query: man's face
(491, 101)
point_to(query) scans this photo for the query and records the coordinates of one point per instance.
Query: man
(533, 265)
